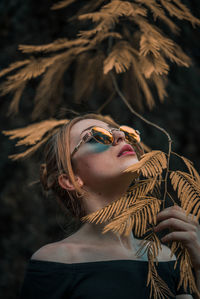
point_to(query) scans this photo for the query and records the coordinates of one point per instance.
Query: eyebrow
(95, 126)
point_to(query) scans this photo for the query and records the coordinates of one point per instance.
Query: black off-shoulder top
(112, 279)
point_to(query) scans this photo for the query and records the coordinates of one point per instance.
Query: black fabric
(113, 279)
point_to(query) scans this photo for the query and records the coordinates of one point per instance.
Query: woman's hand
(184, 229)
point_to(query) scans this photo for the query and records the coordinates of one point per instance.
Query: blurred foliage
(28, 219)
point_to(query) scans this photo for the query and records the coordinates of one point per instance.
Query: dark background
(28, 219)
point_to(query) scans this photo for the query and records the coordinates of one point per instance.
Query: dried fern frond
(151, 164)
(50, 88)
(109, 15)
(154, 42)
(159, 13)
(118, 206)
(180, 11)
(158, 288)
(191, 169)
(186, 274)
(29, 151)
(89, 75)
(152, 245)
(115, 9)
(119, 58)
(142, 82)
(137, 216)
(14, 66)
(188, 192)
(145, 56)
(62, 4)
(59, 44)
(14, 105)
(160, 83)
(31, 134)
(152, 65)
(34, 136)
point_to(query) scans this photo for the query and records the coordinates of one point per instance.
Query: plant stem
(148, 122)
(106, 103)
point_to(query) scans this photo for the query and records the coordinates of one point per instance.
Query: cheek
(94, 164)
(97, 148)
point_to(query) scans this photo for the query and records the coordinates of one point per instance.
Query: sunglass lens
(102, 135)
(132, 136)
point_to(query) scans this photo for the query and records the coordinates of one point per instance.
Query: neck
(106, 192)
(93, 232)
(99, 198)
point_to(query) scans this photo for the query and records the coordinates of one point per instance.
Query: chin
(126, 163)
(129, 161)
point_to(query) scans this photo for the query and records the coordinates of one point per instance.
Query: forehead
(80, 126)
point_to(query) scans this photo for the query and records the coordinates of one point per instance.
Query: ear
(66, 183)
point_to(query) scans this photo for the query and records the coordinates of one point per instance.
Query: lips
(125, 148)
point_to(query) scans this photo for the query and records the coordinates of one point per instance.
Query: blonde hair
(58, 161)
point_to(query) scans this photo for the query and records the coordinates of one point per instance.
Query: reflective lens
(132, 136)
(102, 135)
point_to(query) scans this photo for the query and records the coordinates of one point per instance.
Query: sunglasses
(105, 136)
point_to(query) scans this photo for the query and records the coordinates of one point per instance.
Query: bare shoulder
(55, 252)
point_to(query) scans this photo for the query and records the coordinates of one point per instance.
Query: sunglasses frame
(84, 139)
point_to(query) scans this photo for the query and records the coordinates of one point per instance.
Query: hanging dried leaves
(151, 164)
(34, 136)
(137, 209)
(147, 58)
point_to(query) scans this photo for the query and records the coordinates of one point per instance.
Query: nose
(118, 136)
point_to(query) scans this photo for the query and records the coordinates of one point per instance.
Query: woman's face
(94, 162)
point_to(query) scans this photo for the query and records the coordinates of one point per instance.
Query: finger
(185, 238)
(176, 212)
(175, 224)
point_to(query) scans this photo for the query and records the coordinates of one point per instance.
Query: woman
(86, 175)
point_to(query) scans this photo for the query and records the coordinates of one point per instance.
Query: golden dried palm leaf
(136, 216)
(159, 13)
(35, 68)
(152, 245)
(186, 274)
(179, 10)
(150, 65)
(151, 164)
(59, 44)
(188, 191)
(191, 169)
(50, 89)
(142, 82)
(33, 133)
(158, 288)
(88, 7)
(114, 10)
(89, 76)
(62, 4)
(174, 247)
(119, 58)
(113, 209)
(30, 151)
(101, 36)
(14, 105)
(14, 66)
(155, 42)
(160, 83)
